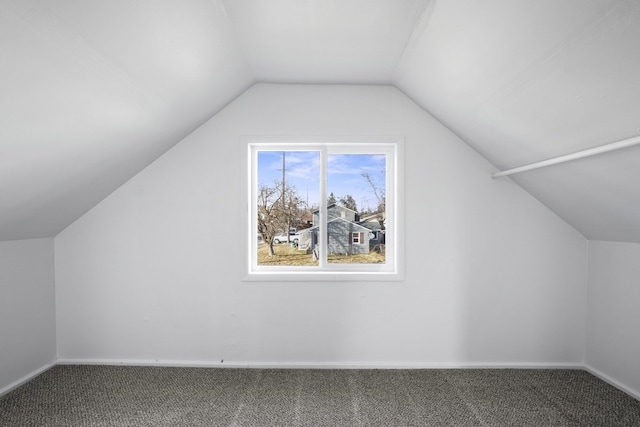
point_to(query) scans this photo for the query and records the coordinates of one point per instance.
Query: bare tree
(277, 211)
(379, 193)
(294, 207)
(269, 213)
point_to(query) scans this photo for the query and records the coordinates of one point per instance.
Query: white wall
(27, 310)
(613, 340)
(153, 273)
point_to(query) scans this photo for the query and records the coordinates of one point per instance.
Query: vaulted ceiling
(92, 91)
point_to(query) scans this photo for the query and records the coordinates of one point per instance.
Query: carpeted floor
(149, 396)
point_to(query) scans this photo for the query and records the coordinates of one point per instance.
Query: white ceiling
(323, 41)
(93, 91)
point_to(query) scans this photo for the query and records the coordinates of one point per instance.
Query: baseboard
(315, 365)
(617, 384)
(319, 365)
(14, 385)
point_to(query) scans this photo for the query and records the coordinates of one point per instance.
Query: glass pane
(356, 209)
(288, 192)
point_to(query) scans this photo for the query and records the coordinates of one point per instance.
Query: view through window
(322, 207)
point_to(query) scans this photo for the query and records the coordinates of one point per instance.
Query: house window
(337, 197)
(357, 238)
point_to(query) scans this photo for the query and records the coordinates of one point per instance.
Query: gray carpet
(149, 396)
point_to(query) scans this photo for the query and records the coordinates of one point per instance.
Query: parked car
(282, 238)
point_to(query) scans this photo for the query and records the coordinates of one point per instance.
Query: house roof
(374, 226)
(335, 205)
(363, 228)
(93, 92)
(370, 218)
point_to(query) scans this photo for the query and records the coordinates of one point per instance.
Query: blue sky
(302, 171)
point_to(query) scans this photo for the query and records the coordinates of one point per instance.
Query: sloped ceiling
(523, 81)
(93, 91)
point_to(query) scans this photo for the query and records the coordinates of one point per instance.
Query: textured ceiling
(93, 91)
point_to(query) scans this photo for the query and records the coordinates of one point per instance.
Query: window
(341, 200)
(357, 238)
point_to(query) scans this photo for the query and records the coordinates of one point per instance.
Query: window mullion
(322, 233)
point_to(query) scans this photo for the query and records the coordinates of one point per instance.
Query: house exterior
(372, 222)
(344, 234)
(335, 211)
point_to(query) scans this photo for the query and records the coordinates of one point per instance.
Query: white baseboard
(316, 365)
(319, 365)
(617, 384)
(14, 385)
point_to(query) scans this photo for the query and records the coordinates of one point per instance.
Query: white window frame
(356, 240)
(391, 270)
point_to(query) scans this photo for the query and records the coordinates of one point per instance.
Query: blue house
(344, 235)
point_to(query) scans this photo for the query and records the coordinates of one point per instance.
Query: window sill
(323, 276)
